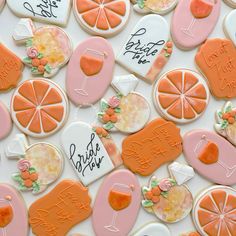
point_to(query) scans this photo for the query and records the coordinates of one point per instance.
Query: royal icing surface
(48, 48)
(210, 155)
(11, 69)
(6, 123)
(167, 200)
(214, 211)
(2, 4)
(13, 212)
(181, 95)
(90, 71)
(145, 151)
(39, 164)
(55, 12)
(216, 58)
(102, 17)
(229, 28)
(154, 6)
(190, 17)
(39, 107)
(153, 229)
(57, 212)
(86, 152)
(118, 201)
(147, 49)
(231, 3)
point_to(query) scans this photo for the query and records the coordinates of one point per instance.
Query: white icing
(181, 173)
(229, 25)
(77, 140)
(148, 32)
(125, 84)
(56, 12)
(153, 229)
(23, 30)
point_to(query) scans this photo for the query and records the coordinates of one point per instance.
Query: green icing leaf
(154, 183)
(17, 178)
(173, 182)
(117, 110)
(34, 70)
(22, 187)
(29, 43)
(48, 68)
(228, 109)
(224, 124)
(108, 126)
(147, 203)
(167, 54)
(27, 60)
(220, 114)
(36, 187)
(100, 115)
(32, 170)
(40, 55)
(104, 105)
(164, 194)
(145, 190)
(141, 3)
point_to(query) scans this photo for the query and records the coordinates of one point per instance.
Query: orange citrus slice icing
(39, 106)
(217, 213)
(102, 14)
(181, 95)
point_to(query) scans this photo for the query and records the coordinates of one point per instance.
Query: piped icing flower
(101, 132)
(32, 52)
(23, 165)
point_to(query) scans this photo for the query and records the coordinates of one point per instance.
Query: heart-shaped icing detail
(209, 154)
(55, 12)
(146, 50)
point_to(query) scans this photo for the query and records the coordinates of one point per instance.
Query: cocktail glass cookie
(105, 18)
(48, 48)
(6, 122)
(39, 164)
(181, 95)
(214, 211)
(39, 107)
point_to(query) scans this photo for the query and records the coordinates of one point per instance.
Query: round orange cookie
(102, 17)
(39, 107)
(181, 95)
(214, 212)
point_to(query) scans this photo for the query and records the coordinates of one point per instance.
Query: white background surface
(179, 59)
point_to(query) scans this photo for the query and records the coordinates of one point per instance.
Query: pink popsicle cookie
(118, 200)
(211, 156)
(6, 123)
(90, 71)
(13, 212)
(190, 17)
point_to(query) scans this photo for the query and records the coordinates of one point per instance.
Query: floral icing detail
(101, 132)
(156, 189)
(27, 177)
(109, 110)
(168, 49)
(38, 63)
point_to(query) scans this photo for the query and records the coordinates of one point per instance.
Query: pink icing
(221, 172)
(182, 19)
(32, 52)
(23, 165)
(19, 224)
(83, 89)
(114, 102)
(5, 123)
(125, 218)
(165, 185)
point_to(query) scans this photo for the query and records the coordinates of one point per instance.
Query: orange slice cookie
(57, 212)
(102, 17)
(10, 69)
(214, 211)
(39, 107)
(181, 95)
(158, 143)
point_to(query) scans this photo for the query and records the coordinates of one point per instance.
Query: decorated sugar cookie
(231, 3)
(147, 48)
(54, 12)
(39, 164)
(229, 28)
(39, 107)
(211, 156)
(189, 20)
(11, 69)
(5, 123)
(216, 59)
(167, 200)
(92, 154)
(158, 143)
(214, 211)
(153, 229)
(181, 95)
(154, 6)
(2, 4)
(118, 201)
(226, 122)
(105, 18)
(13, 212)
(48, 48)
(127, 111)
(194, 233)
(90, 71)
(57, 212)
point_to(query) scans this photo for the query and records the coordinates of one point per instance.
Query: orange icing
(10, 69)
(6, 216)
(90, 65)
(158, 143)
(209, 154)
(119, 200)
(200, 8)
